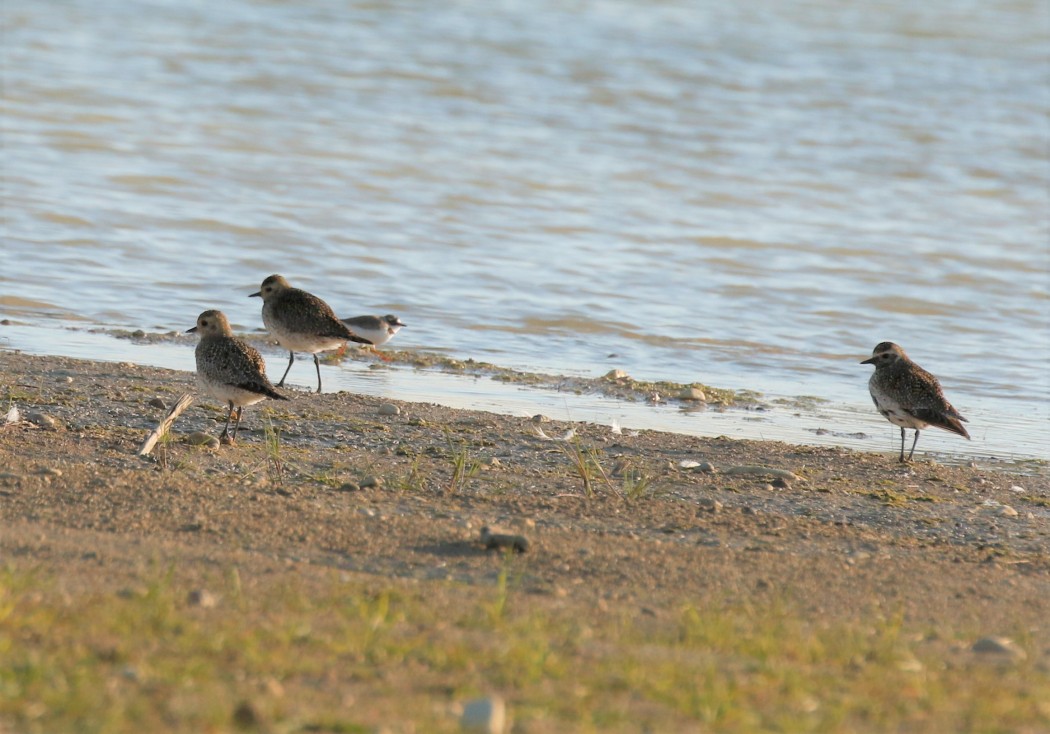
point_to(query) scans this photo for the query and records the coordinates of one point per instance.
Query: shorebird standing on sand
(908, 396)
(301, 322)
(229, 369)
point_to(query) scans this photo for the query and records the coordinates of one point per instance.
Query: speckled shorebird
(229, 369)
(377, 329)
(301, 322)
(908, 396)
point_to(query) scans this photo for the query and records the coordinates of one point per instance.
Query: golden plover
(229, 369)
(908, 396)
(301, 322)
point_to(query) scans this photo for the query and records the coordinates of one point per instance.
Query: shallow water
(747, 194)
(781, 418)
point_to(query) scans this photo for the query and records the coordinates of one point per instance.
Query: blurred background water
(748, 194)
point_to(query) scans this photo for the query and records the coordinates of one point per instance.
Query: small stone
(64, 380)
(246, 717)
(199, 438)
(708, 504)
(157, 403)
(371, 482)
(688, 464)
(540, 418)
(485, 716)
(138, 333)
(201, 598)
(503, 541)
(910, 664)
(1018, 489)
(781, 483)
(367, 512)
(616, 375)
(707, 468)
(1008, 511)
(389, 409)
(691, 393)
(491, 463)
(349, 487)
(49, 472)
(1002, 647)
(43, 420)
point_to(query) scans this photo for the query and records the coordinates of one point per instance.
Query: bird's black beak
(256, 295)
(869, 360)
(190, 331)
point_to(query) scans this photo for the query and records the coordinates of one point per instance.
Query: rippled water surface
(748, 194)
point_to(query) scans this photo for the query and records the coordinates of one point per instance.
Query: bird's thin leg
(902, 445)
(291, 359)
(226, 429)
(912, 452)
(317, 364)
(237, 425)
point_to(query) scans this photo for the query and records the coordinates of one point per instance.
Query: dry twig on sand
(151, 440)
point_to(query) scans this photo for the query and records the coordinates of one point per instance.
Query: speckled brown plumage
(229, 369)
(908, 396)
(301, 322)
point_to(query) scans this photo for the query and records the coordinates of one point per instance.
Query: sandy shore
(389, 495)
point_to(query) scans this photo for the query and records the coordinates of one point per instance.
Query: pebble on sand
(999, 647)
(692, 393)
(371, 482)
(157, 403)
(706, 504)
(201, 598)
(389, 409)
(43, 420)
(764, 471)
(503, 541)
(199, 438)
(485, 716)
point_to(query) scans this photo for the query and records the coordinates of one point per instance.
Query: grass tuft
(85, 659)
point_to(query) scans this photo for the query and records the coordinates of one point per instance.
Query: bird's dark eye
(204, 323)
